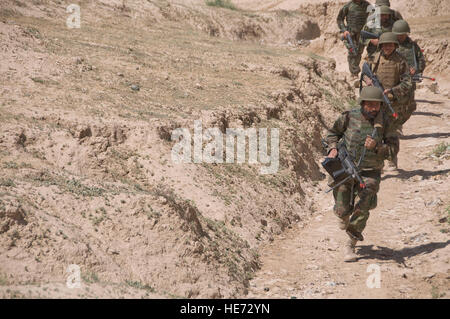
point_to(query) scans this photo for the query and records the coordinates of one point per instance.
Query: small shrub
(227, 4)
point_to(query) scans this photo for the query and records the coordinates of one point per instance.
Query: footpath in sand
(406, 235)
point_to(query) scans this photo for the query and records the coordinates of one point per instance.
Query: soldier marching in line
(395, 14)
(392, 71)
(385, 25)
(351, 19)
(355, 129)
(415, 58)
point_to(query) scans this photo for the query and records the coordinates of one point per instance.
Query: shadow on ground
(429, 102)
(435, 135)
(402, 174)
(399, 256)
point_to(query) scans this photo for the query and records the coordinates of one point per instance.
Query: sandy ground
(406, 235)
(86, 175)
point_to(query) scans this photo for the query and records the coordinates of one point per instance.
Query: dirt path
(405, 236)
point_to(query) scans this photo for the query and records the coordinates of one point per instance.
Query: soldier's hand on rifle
(412, 71)
(370, 143)
(368, 81)
(333, 153)
(345, 34)
(374, 42)
(389, 94)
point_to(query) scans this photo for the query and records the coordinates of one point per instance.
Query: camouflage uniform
(393, 73)
(355, 16)
(379, 30)
(352, 127)
(406, 50)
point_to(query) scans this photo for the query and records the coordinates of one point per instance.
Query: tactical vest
(371, 49)
(355, 136)
(406, 49)
(387, 70)
(357, 16)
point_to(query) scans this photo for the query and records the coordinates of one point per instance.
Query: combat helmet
(386, 10)
(388, 37)
(401, 27)
(370, 93)
(383, 3)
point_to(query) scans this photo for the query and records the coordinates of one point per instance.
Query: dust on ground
(87, 176)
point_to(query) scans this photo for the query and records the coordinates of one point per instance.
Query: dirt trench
(406, 238)
(86, 175)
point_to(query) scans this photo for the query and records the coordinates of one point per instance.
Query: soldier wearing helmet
(392, 70)
(354, 128)
(350, 20)
(413, 55)
(395, 14)
(385, 25)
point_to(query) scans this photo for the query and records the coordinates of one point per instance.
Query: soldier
(355, 15)
(414, 56)
(393, 72)
(354, 128)
(385, 25)
(395, 14)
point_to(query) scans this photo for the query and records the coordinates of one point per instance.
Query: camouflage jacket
(353, 16)
(393, 73)
(352, 128)
(396, 15)
(406, 50)
(379, 30)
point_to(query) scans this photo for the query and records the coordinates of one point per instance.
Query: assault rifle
(343, 167)
(375, 82)
(369, 35)
(417, 78)
(353, 50)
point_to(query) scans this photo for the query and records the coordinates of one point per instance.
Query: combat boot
(350, 255)
(392, 165)
(399, 131)
(343, 222)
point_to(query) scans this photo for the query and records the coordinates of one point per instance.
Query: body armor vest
(357, 16)
(388, 71)
(355, 136)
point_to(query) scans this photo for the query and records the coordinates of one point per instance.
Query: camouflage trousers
(359, 214)
(354, 59)
(408, 110)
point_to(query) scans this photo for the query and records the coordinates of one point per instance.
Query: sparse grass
(3, 280)
(89, 277)
(440, 149)
(38, 80)
(8, 182)
(435, 293)
(11, 165)
(227, 4)
(139, 285)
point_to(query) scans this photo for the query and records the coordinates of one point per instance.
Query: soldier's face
(401, 38)
(388, 48)
(372, 108)
(384, 17)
